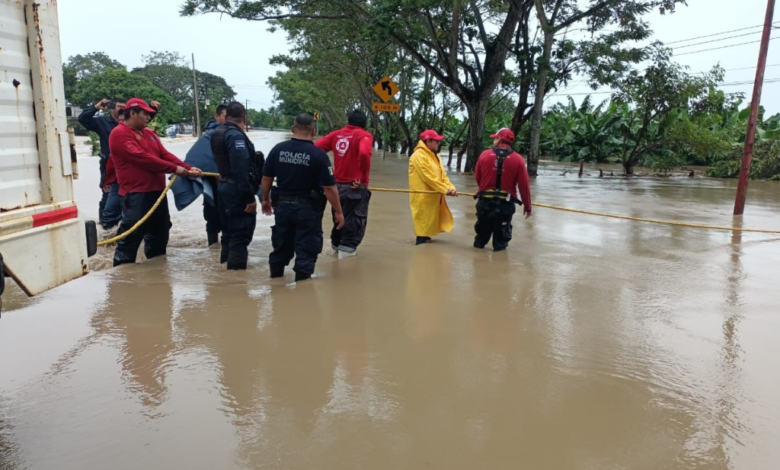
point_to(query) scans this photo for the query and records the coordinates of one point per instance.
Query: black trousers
(354, 204)
(238, 227)
(154, 232)
(298, 233)
(494, 219)
(211, 213)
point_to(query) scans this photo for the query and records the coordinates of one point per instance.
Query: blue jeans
(112, 208)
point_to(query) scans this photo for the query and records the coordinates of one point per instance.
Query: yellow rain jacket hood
(430, 213)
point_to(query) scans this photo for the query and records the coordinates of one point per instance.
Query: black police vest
(222, 159)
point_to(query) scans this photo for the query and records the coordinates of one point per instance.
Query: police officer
(239, 171)
(304, 179)
(500, 172)
(211, 208)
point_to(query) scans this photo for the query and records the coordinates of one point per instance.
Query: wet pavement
(591, 344)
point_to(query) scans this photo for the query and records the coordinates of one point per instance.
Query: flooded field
(591, 344)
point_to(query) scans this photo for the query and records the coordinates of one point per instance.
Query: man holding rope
(500, 172)
(430, 213)
(351, 147)
(141, 164)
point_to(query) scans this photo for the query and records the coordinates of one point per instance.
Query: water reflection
(141, 312)
(589, 344)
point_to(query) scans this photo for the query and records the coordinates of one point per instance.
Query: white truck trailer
(44, 240)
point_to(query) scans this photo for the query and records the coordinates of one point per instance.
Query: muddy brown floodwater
(591, 344)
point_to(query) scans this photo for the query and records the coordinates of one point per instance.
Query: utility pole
(747, 156)
(197, 105)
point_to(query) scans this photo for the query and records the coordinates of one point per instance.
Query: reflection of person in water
(299, 368)
(233, 337)
(349, 326)
(140, 307)
(426, 275)
(275, 364)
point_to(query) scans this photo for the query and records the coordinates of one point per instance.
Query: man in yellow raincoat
(430, 213)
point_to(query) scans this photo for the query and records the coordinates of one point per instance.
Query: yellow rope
(410, 191)
(135, 227)
(602, 214)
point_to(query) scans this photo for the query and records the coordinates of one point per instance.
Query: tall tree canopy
(477, 48)
(119, 83)
(170, 72)
(81, 66)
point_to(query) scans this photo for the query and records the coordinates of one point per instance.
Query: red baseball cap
(139, 103)
(504, 134)
(431, 134)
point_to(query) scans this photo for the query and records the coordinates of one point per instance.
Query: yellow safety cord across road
(409, 191)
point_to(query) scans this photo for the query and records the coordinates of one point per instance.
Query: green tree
(169, 71)
(120, 82)
(81, 66)
(461, 44)
(602, 57)
(654, 101)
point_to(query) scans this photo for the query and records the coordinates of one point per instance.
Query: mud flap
(92, 238)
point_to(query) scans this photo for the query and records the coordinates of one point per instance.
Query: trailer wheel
(92, 238)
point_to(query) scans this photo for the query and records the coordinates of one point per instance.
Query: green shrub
(94, 142)
(765, 166)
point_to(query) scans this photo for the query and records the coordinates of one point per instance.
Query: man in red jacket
(500, 172)
(141, 164)
(351, 147)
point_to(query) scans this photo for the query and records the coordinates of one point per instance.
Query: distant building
(72, 110)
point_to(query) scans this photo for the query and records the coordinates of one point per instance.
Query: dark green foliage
(765, 166)
(80, 66)
(171, 72)
(120, 82)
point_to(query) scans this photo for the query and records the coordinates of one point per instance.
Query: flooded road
(591, 344)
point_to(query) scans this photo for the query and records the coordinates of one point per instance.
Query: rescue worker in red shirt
(500, 172)
(351, 147)
(141, 164)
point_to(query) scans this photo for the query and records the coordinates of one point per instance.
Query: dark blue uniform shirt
(101, 125)
(299, 167)
(241, 154)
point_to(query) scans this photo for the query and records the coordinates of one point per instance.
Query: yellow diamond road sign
(386, 89)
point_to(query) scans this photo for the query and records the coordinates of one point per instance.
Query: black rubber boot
(422, 240)
(237, 262)
(277, 271)
(223, 256)
(213, 237)
(302, 277)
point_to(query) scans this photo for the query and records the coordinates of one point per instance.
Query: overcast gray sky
(240, 50)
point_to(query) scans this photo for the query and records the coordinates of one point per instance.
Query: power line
(603, 92)
(717, 40)
(689, 39)
(722, 47)
(717, 34)
(747, 68)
